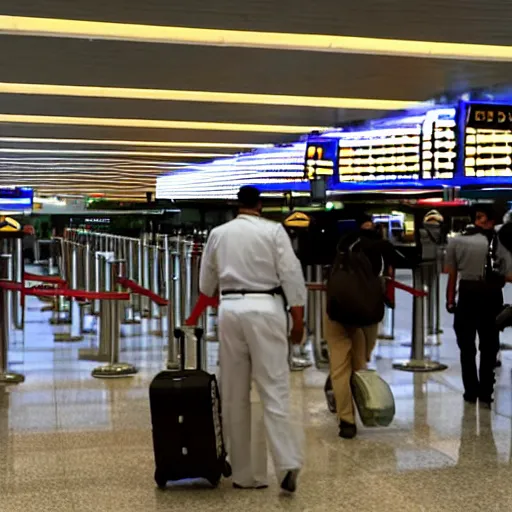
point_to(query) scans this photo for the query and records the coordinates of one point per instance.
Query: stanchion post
(110, 324)
(176, 283)
(417, 362)
(6, 377)
(433, 312)
(131, 269)
(195, 266)
(97, 280)
(6, 261)
(146, 280)
(155, 284)
(75, 333)
(318, 342)
(173, 362)
(387, 327)
(18, 308)
(186, 294)
(309, 310)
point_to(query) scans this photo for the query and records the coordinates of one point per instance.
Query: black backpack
(355, 295)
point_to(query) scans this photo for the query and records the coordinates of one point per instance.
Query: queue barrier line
(140, 290)
(202, 303)
(395, 284)
(27, 276)
(62, 292)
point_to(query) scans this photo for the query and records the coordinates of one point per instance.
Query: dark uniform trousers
(477, 308)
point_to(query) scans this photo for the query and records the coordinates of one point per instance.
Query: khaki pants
(350, 349)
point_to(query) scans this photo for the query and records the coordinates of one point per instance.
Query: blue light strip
(281, 168)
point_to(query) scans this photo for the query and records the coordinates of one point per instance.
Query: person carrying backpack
(355, 307)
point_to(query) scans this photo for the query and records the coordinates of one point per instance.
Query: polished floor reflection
(71, 443)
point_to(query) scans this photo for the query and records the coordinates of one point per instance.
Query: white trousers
(254, 347)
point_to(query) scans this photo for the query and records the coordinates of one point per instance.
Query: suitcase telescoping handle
(181, 334)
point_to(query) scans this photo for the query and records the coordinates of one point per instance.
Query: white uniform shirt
(253, 254)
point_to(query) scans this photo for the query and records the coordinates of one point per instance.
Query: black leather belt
(274, 291)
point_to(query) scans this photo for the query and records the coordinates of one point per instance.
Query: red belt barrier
(391, 282)
(60, 292)
(139, 290)
(45, 279)
(202, 303)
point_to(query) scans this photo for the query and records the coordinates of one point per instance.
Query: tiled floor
(71, 443)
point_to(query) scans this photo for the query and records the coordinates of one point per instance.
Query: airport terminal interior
(127, 129)
(74, 443)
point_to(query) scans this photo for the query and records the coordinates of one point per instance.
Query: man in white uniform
(251, 262)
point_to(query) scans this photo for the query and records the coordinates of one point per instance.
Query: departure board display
(488, 153)
(439, 150)
(380, 155)
(320, 158)
(489, 116)
(425, 152)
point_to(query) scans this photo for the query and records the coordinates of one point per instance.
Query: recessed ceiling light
(47, 27)
(156, 154)
(202, 96)
(154, 123)
(141, 143)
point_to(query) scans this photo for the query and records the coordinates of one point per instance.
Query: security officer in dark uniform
(474, 259)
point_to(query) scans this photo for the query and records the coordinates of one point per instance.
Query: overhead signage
(488, 116)
(320, 158)
(16, 199)
(384, 155)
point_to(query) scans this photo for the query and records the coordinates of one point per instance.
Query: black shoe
(257, 487)
(470, 399)
(347, 430)
(331, 401)
(289, 483)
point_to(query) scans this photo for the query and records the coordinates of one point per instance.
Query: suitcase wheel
(227, 471)
(160, 479)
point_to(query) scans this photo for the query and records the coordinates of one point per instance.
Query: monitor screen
(320, 159)
(16, 200)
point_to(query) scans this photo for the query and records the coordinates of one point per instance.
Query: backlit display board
(16, 200)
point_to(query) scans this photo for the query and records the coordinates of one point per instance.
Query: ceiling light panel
(47, 27)
(92, 152)
(153, 123)
(141, 143)
(202, 96)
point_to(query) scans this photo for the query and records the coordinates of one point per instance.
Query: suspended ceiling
(138, 101)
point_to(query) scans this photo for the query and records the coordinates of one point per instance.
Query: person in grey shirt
(477, 262)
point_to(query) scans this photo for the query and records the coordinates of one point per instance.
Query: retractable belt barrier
(109, 323)
(417, 361)
(55, 280)
(139, 290)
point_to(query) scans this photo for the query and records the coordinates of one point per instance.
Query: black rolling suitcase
(186, 419)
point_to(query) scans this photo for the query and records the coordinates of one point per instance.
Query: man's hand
(450, 307)
(297, 334)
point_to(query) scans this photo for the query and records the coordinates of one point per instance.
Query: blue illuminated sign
(16, 200)
(321, 158)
